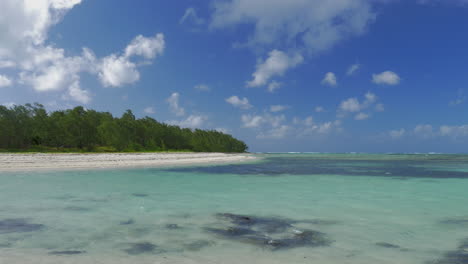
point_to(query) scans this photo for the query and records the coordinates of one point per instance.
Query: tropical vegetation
(30, 127)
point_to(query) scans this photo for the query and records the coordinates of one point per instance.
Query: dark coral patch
(18, 226)
(142, 248)
(66, 252)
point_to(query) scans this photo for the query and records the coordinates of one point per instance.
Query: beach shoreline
(12, 162)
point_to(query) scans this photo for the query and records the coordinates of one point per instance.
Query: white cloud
(149, 110)
(361, 116)
(147, 48)
(278, 108)
(314, 25)
(222, 130)
(202, 87)
(424, 131)
(79, 95)
(386, 77)
(319, 109)
(379, 107)
(274, 86)
(370, 98)
(8, 104)
(454, 131)
(396, 134)
(275, 133)
(238, 102)
(276, 64)
(350, 105)
(353, 105)
(251, 121)
(174, 106)
(353, 69)
(330, 79)
(7, 64)
(434, 2)
(24, 48)
(117, 71)
(192, 121)
(191, 15)
(5, 81)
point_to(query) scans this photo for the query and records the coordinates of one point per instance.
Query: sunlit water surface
(287, 208)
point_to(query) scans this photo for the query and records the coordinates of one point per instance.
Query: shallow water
(357, 208)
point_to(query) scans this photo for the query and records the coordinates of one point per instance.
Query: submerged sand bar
(28, 162)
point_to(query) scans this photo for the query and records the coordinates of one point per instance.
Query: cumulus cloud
(276, 64)
(45, 67)
(353, 105)
(117, 71)
(238, 102)
(5, 81)
(424, 131)
(353, 69)
(397, 134)
(192, 121)
(275, 133)
(278, 108)
(303, 28)
(149, 110)
(454, 131)
(386, 78)
(192, 16)
(202, 87)
(251, 121)
(174, 106)
(270, 126)
(361, 116)
(350, 105)
(319, 109)
(329, 79)
(274, 86)
(147, 48)
(314, 25)
(79, 95)
(379, 107)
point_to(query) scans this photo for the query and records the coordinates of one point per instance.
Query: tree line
(31, 127)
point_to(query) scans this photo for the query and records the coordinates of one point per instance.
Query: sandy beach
(28, 162)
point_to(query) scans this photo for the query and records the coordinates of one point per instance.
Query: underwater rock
(173, 226)
(198, 245)
(231, 231)
(461, 221)
(308, 238)
(18, 226)
(256, 231)
(262, 224)
(459, 256)
(128, 222)
(140, 194)
(386, 245)
(141, 248)
(66, 252)
(77, 209)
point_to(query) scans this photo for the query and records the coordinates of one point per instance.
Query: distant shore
(42, 161)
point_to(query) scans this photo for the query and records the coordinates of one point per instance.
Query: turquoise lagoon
(284, 208)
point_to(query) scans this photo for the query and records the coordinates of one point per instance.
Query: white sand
(28, 162)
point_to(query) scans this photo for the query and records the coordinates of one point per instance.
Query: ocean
(283, 208)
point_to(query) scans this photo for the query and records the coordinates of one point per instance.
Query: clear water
(369, 208)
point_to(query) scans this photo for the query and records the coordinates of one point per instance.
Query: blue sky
(296, 75)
